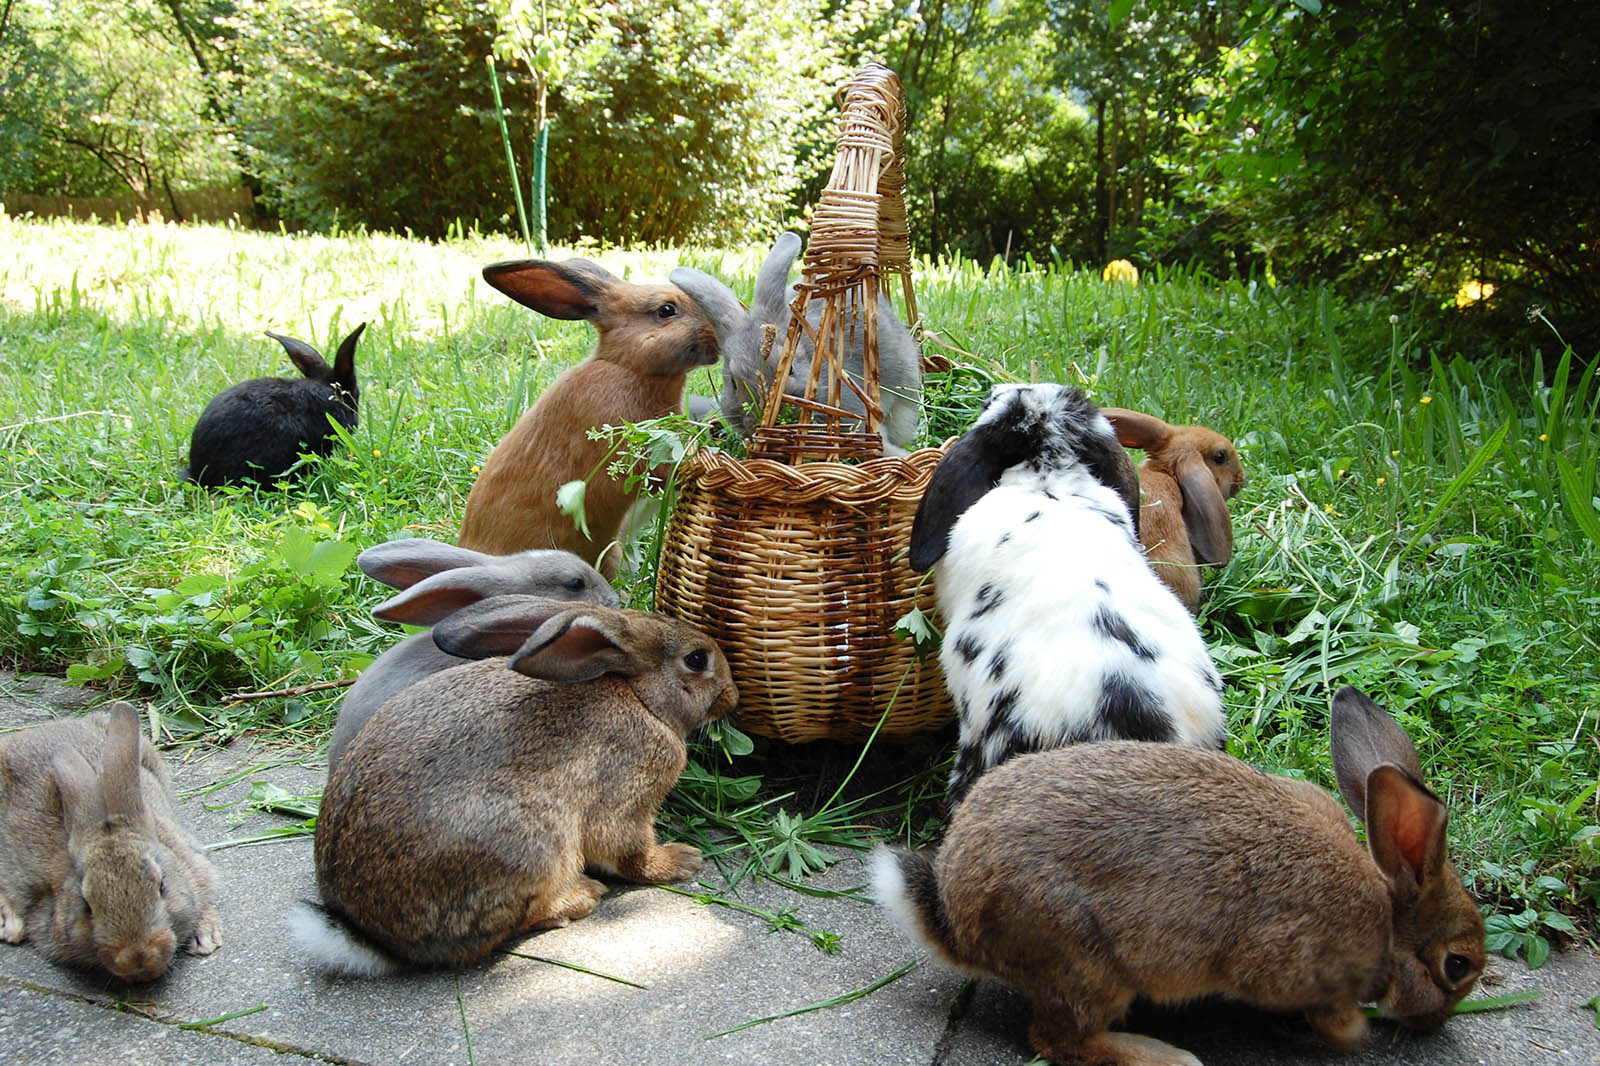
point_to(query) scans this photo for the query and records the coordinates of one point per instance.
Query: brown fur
(1090, 875)
(93, 865)
(469, 807)
(636, 372)
(1188, 474)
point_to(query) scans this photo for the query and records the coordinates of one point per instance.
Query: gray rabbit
(745, 379)
(437, 580)
(94, 868)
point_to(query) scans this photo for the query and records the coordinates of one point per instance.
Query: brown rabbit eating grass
(650, 337)
(469, 807)
(1188, 475)
(1089, 875)
(94, 868)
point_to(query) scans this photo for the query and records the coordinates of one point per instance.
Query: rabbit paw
(576, 902)
(207, 933)
(1128, 1049)
(12, 928)
(662, 862)
(1342, 1027)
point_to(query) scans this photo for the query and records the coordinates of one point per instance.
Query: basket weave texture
(793, 561)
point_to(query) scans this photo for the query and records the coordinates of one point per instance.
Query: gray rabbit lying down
(94, 867)
(468, 809)
(746, 379)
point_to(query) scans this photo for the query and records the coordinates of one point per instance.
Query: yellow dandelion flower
(476, 468)
(1381, 480)
(1544, 437)
(1327, 508)
(1120, 270)
(1395, 454)
(376, 454)
(1426, 400)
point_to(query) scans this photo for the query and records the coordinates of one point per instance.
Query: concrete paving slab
(704, 969)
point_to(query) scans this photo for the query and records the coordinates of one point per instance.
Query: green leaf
(1486, 1003)
(1120, 9)
(1310, 7)
(1538, 951)
(83, 674)
(918, 628)
(569, 498)
(1579, 499)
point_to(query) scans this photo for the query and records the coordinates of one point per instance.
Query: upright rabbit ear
(1135, 429)
(584, 644)
(1364, 737)
(402, 563)
(967, 472)
(727, 314)
(306, 359)
(571, 290)
(344, 360)
(1205, 512)
(498, 625)
(119, 763)
(1405, 827)
(772, 283)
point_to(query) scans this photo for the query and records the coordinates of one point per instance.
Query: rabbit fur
(746, 379)
(436, 580)
(1056, 631)
(468, 809)
(650, 337)
(1090, 875)
(94, 867)
(256, 430)
(1188, 475)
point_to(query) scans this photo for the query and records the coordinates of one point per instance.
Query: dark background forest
(1401, 149)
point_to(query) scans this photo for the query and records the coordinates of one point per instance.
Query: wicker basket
(793, 560)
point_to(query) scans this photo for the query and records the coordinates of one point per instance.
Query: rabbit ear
(83, 806)
(498, 625)
(344, 360)
(1136, 429)
(402, 563)
(1205, 512)
(570, 290)
(970, 468)
(436, 598)
(119, 763)
(772, 283)
(307, 359)
(727, 314)
(1405, 828)
(1364, 737)
(1111, 465)
(582, 645)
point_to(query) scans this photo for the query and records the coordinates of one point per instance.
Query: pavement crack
(959, 1005)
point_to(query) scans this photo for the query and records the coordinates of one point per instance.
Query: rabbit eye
(1456, 968)
(696, 660)
(574, 583)
(1219, 457)
(667, 310)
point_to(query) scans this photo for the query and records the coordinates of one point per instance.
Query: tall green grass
(1414, 523)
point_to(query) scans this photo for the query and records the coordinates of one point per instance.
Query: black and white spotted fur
(1056, 629)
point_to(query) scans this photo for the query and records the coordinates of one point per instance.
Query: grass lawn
(1416, 524)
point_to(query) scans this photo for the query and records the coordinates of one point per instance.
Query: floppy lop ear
(970, 468)
(581, 645)
(570, 290)
(402, 563)
(1205, 512)
(1135, 429)
(499, 625)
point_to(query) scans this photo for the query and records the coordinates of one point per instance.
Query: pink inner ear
(581, 640)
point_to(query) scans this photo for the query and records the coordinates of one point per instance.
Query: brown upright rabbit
(1188, 475)
(651, 336)
(1089, 875)
(467, 809)
(94, 868)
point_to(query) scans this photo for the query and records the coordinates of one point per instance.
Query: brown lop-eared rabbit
(1188, 475)
(650, 337)
(1089, 875)
(468, 808)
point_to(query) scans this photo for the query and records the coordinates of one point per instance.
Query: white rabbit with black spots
(1056, 629)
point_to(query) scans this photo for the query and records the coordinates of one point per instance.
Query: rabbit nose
(144, 960)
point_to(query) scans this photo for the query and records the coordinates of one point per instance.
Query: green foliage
(101, 98)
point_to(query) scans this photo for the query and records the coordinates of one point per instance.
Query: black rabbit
(256, 430)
